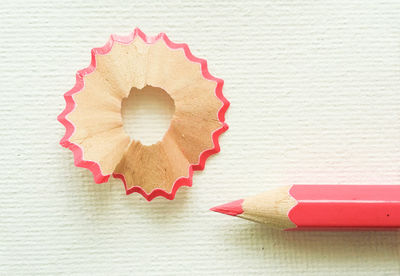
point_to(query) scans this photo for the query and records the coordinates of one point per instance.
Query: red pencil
(319, 207)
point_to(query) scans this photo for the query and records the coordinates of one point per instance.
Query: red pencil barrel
(346, 206)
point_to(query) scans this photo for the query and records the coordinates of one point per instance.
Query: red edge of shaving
(93, 166)
(233, 208)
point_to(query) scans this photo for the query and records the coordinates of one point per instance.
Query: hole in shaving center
(147, 114)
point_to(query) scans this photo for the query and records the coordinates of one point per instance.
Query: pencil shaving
(93, 120)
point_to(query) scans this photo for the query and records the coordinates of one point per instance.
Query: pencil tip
(233, 208)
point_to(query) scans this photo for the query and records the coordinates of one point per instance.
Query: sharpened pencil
(322, 207)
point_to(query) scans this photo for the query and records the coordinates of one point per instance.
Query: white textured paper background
(315, 98)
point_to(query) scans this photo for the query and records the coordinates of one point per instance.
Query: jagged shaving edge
(93, 166)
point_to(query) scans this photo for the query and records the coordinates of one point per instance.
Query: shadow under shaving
(161, 211)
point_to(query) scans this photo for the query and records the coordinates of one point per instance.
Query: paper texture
(314, 91)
